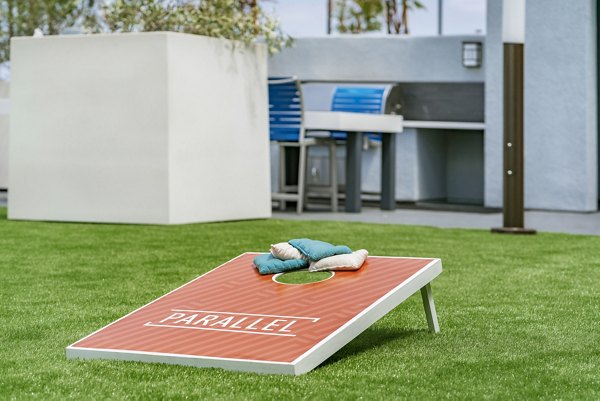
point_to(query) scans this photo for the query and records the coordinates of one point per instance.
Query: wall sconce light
(471, 54)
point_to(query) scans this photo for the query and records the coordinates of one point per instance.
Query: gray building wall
(377, 59)
(493, 105)
(561, 108)
(430, 163)
(561, 167)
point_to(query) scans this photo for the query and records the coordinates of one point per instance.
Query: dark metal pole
(329, 12)
(513, 135)
(513, 200)
(388, 171)
(440, 16)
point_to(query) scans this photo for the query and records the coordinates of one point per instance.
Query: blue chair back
(285, 110)
(358, 100)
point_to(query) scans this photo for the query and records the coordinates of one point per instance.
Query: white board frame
(310, 359)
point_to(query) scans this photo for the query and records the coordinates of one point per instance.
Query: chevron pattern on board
(234, 312)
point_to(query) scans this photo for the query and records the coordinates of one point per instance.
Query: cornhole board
(234, 318)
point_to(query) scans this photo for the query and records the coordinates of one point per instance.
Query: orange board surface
(234, 313)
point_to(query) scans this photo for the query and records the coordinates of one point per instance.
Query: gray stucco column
(561, 136)
(561, 167)
(494, 110)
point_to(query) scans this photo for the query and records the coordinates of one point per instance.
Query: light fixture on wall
(471, 54)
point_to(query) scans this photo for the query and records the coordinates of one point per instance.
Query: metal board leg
(429, 306)
(388, 172)
(353, 172)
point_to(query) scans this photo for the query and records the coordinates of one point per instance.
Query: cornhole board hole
(234, 318)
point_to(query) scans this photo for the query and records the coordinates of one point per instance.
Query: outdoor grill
(382, 99)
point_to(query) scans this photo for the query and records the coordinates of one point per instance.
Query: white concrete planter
(4, 111)
(138, 128)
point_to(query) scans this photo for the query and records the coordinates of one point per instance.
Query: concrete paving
(544, 221)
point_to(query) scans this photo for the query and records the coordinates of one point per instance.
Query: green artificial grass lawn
(518, 314)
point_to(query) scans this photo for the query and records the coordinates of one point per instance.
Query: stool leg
(301, 179)
(282, 182)
(333, 177)
(429, 306)
(306, 175)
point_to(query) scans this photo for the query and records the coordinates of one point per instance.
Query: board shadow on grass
(369, 340)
